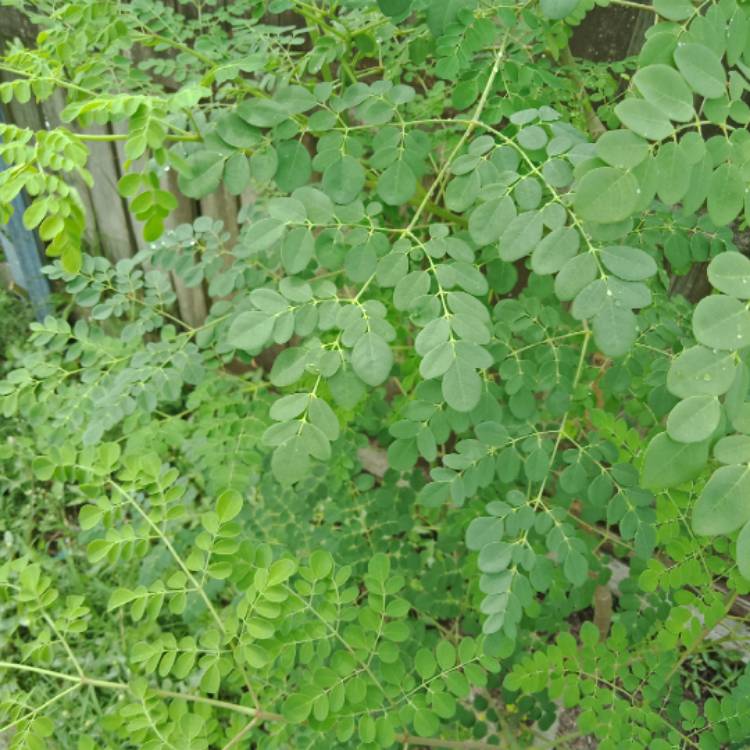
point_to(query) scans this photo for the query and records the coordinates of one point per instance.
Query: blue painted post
(22, 251)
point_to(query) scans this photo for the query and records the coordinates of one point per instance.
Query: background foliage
(442, 395)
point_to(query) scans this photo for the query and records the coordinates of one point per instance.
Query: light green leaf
(694, 419)
(606, 195)
(394, 8)
(673, 173)
(733, 449)
(730, 273)
(237, 132)
(372, 359)
(482, 531)
(668, 463)
(576, 274)
(743, 551)
(644, 118)
(665, 88)
(558, 9)
(721, 322)
(701, 371)
(228, 505)
(726, 194)
(723, 505)
(297, 249)
(615, 329)
(250, 331)
(205, 169)
(294, 166)
(489, 220)
(628, 263)
(237, 173)
(701, 68)
(674, 10)
(344, 179)
(555, 250)
(521, 236)
(622, 148)
(290, 462)
(462, 386)
(263, 234)
(397, 185)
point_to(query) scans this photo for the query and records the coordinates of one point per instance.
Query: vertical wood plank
(191, 301)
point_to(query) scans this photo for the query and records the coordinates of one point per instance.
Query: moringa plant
(443, 389)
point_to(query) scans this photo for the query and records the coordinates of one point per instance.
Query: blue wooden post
(22, 251)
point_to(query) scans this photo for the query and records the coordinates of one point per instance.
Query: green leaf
(622, 148)
(424, 663)
(397, 185)
(701, 371)
(228, 505)
(120, 597)
(722, 506)
(205, 169)
(553, 252)
(733, 449)
(297, 249)
(558, 9)
(721, 322)
(521, 236)
(615, 329)
(489, 220)
(743, 551)
(462, 386)
(237, 173)
(674, 10)
(426, 723)
(495, 557)
(606, 195)
(372, 359)
(666, 89)
(730, 273)
(237, 132)
(263, 113)
(250, 331)
(36, 212)
(673, 173)
(628, 263)
(128, 184)
(726, 194)
(296, 708)
(576, 274)
(344, 179)
(263, 234)
(290, 462)
(394, 8)
(482, 531)
(294, 166)
(694, 419)
(51, 227)
(644, 118)
(668, 463)
(701, 68)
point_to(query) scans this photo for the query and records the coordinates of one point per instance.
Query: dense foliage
(443, 394)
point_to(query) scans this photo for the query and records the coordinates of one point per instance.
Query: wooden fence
(114, 232)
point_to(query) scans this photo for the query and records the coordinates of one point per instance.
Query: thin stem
(13, 724)
(467, 132)
(631, 4)
(238, 737)
(111, 137)
(410, 741)
(172, 551)
(109, 685)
